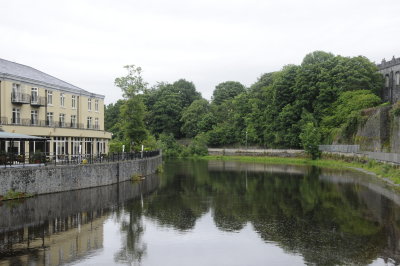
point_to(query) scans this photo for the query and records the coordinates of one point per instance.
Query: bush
(198, 146)
(170, 147)
(310, 138)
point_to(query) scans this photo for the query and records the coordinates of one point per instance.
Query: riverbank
(389, 173)
(17, 182)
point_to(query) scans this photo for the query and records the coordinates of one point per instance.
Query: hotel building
(35, 103)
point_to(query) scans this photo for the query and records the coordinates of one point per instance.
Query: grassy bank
(12, 195)
(389, 172)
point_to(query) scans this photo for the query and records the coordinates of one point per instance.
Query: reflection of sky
(204, 245)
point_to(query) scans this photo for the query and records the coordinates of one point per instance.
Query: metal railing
(44, 123)
(38, 101)
(42, 158)
(340, 148)
(355, 149)
(18, 97)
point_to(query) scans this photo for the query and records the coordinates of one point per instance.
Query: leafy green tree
(186, 91)
(165, 104)
(132, 83)
(193, 118)
(199, 145)
(263, 81)
(310, 139)
(347, 103)
(132, 111)
(226, 91)
(112, 119)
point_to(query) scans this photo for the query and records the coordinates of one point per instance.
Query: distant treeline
(317, 101)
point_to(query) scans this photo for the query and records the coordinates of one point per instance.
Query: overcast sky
(87, 43)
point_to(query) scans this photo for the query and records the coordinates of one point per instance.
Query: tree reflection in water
(133, 249)
(327, 222)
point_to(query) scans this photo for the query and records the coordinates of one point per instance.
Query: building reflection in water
(64, 227)
(53, 242)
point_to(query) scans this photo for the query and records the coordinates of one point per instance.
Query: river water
(210, 213)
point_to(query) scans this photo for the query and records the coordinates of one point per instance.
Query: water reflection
(202, 213)
(64, 227)
(321, 214)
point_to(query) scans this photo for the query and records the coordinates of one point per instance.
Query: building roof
(19, 72)
(386, 64)
(14, 136)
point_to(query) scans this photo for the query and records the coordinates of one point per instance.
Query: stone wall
(50, 179)
(37, 210)
(256, 152)
(374, 135)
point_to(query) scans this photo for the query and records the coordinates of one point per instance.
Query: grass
(137, 177)
(11, 194)
(389, 172)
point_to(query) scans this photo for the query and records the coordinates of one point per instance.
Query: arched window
(387, 81)
(397, 78)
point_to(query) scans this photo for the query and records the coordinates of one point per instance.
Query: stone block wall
(374, 135)
(35, 211)
(50, 179)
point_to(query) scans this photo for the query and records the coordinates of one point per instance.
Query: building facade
(38, 104)
(391, 72)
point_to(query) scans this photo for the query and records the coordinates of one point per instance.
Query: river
(210, 213)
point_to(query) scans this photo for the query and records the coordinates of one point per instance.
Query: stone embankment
(257, 152)
(50, 179)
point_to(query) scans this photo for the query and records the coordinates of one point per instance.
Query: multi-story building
(38, 104)
(391, 72)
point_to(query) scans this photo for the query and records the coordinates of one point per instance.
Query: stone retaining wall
(50, 179)
(36, 211)
(256, 152)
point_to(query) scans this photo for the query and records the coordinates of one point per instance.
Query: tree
(132, 83)
(166, 103)
(187, 92)
(133, 109)
(112, 119)
(193, 118)
(310, 139)
(132, 113)
(226, 91)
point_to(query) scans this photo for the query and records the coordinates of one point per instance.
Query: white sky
(87, 43)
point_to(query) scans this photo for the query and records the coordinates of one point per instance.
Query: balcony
(44, 123)
(20, 98)
(38, 101)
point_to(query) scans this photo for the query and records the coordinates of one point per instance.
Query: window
(16, 116)
(76, 142)
(96, 105)
(62, 99)
(73, 121)
(96, 123)
(89, 104)
(61, 120)
(16, 88)
(73, 102)
(50, 98)
(16, 92)
(50, 120)
(34, 117)
(61, 146)
(397, 78)
(34, 95)
(387, 81)
(89, 122)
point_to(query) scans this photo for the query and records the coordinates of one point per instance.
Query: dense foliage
(326, 92)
